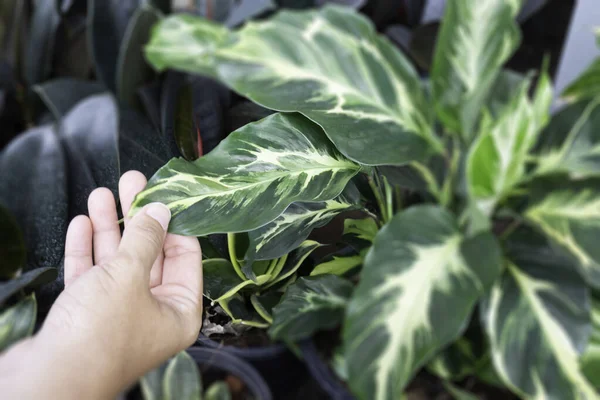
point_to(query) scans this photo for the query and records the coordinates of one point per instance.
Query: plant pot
(215, 364)
(322, 373)
(280, 368)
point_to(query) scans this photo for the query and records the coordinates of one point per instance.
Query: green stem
(233, 257)
(379, 198)
(389, 198)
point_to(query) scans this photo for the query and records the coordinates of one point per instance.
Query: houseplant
(506, 198)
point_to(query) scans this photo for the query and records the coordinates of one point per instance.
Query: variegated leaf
(291, 228)
(496, 161)
(587, 85)
(419, 284)
(569, 213)
(17, 322)
(338, 265)
(250, 178)
(537, 319)
(571, 144)
(475, 40)
(366, 95)
(309, 305)
(182, 379)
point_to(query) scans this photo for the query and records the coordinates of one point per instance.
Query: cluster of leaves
(487, 206)
(179, 379)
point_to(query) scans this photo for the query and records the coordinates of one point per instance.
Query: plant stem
(233, 256)
(378, 197)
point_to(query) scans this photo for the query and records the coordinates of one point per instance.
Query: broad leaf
(291, 228)
(537, 319)
(17, 322)
(363, 229)
(218, 391)
(496, 161)
(367, 97)
(571, 142)
(40, 41)
(277, 161)
(32, 164)
(310, 305)
(90, 136)
(418, 286)
(475, 40)
(132, 69)
(338, 265)
(182, 379)
(12, 245)
(587, 85)
(60, 95)
(28, 280)
(569, 213)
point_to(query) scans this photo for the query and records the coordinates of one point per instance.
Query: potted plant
(486, 206)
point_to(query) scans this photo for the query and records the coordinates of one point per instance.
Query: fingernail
(160, 213)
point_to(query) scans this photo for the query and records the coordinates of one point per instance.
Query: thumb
(144, 236)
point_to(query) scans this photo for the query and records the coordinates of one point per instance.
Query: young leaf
(28, 280)
(587, 85)
(309, 305)
(132, 70)
(279, 160)
(182, 379)
(475, 40)
(17, 322)
(12, 245)
(537, 319)
(367, 96)
(364, 229)
(338, 266)
(570, 144)
(291, 228)
(218, 391)
(419, 284)
(569, 213)
(496, 161)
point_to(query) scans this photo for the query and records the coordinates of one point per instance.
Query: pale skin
(129, 304)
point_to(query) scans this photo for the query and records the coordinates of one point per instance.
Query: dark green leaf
(60, 95)
(28, 280)
(34, 189)
(17, 322)
(182, 379)
(287, 159)
(12, 245)
(132, 69)
(418, 286)
(309, 305)
(367, 97)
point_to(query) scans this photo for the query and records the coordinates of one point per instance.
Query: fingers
(131, 183)
(143, 237)
(183, 263)
(78, 248)
(103, 213)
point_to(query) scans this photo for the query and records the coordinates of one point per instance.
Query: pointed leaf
(60, 95)
(475, 40)
(32, 164)
(419, 284)
(587, 85)
(12, 245)
(132, 70)
(496, 161)
(569, 213)
(182, 379)
(218, 391)
(571, 143)
(28, 280)
(537, 319)
(309, 305)
(17, 322)
(291, 228)
(277, 161)
(367, 97)
(338, 266)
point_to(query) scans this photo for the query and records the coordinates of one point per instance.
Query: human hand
(129, 303)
